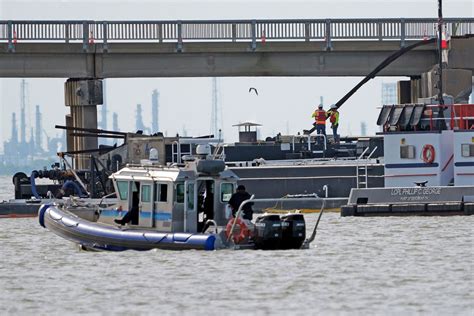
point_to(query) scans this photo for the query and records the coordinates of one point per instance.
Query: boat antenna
(440, 59)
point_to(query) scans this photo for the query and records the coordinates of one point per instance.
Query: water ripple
(413, 265)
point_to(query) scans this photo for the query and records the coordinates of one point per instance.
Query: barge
(276, 167)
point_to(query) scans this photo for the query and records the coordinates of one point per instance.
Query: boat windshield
(180, 193)
(227, 189)
(123, 189)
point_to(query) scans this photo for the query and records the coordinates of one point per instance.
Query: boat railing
(426, 117)
(145, 166)
(62, 156)
(219, 152)
(104, 197)
(316, 136)
(260, 162)
(363, 153)
(177, 151)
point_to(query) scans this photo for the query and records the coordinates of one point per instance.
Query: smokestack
(139, 119)
(22, 112)
(115, 126)
(31, 145)
(14, 138)
(154, 111)
(38, 138)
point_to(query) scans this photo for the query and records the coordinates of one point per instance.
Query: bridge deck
(112, 49)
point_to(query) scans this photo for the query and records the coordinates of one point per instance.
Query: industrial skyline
(24, 150)
(34, 141)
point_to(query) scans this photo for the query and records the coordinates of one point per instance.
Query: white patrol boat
(176, 207)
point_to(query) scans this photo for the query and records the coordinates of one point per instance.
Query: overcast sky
(283, 105)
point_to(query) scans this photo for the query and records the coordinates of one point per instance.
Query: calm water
(357, 265)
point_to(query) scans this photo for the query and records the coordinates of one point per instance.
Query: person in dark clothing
(237, 198)
(209, 205)
(132, 215)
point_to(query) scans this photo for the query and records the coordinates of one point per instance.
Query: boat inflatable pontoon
(99, 236)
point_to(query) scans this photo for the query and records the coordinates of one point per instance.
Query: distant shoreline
(10, 170)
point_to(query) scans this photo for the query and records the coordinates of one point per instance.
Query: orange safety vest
(320, 116)
(334, 117)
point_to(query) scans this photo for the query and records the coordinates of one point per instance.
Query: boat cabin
(431, 144)
(174, 198)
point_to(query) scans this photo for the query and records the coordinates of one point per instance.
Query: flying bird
(252, 88)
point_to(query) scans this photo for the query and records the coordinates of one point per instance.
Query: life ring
(241, 234)
(428, 153)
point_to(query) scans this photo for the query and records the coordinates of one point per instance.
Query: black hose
(34, 174)
(381, 66)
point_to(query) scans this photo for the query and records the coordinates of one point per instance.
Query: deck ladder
(361, 174)
(362, 170)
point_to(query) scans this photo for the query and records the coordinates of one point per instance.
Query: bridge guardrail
(89, 32)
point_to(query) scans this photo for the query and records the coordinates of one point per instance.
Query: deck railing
(90, 32)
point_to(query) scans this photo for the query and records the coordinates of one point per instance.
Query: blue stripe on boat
(159, 216)
(464, 164)
(411, 165)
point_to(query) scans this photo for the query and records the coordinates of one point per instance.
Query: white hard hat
(333, 106)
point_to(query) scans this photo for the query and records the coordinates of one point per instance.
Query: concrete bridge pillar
(456, 83)
(82, 96)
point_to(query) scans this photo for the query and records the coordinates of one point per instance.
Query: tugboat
(176, 207)
(429, 163)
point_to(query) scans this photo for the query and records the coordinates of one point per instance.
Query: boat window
(407, 152)
(467, 150)
(161, 192)
(123, 189)
(146, 192)
(226, 191)
(191, 196)
(180, 193)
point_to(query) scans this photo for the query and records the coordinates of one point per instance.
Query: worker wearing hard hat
(320, 117)
(333, 115)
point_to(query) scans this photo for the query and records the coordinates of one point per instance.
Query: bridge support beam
(456, 83)
(82, 96)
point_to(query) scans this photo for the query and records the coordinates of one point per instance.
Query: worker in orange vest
(333, 115)
(320, 117)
